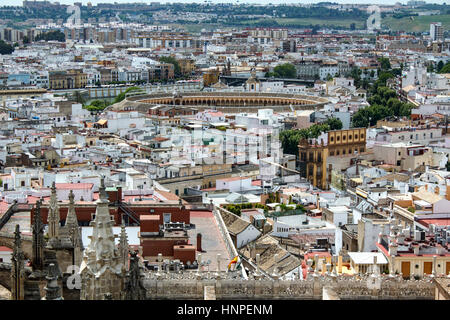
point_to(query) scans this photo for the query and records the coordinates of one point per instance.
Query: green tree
(97, 105)
(291, 138)
(5, 48)
(385, 64)
(122, 95)
(51, 36)
(172, 60)
(445, 68)
(440, 65)
(334, 123)
(285, 70)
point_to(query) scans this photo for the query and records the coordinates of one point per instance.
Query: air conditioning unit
(417, 236)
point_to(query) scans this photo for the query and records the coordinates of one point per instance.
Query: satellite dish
(208, 262)
(188, 263)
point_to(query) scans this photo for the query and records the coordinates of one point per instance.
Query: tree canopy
(97, 105)
(51, 36)
(5, 48)
(383, 104)
(445, 68)
(285, 70)
(122, 95)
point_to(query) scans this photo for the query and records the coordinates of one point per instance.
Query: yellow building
(210, 77)
(187, 66)
(342, 142)
(313, 163)
(68, 79)
(313, 157)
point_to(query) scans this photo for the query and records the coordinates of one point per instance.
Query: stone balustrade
(186, 286)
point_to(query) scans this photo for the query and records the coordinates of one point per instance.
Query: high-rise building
(436, 31)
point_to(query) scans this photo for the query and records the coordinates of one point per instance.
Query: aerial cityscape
(224, 151)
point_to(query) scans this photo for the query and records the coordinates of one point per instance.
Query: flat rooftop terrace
(212, 240)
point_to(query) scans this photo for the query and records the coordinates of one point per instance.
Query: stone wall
(346, 289)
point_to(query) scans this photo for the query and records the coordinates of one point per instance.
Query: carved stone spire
(102, 269)
(17, 270)
(53, 290)
(135, 289)
(53, 215)
(37, 260)
(72, 221)
(124, 247)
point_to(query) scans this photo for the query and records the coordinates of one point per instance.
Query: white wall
(248, 235)
(63, 194)
(5, 256)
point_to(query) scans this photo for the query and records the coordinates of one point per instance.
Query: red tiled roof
(5, 249)
(168, 195)
(160, 139)
(256, 183)
(438, 222)
(200, 214)
(321, 254)
(209, 189)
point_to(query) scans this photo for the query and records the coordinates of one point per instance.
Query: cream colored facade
(403, 155)
(414, 265)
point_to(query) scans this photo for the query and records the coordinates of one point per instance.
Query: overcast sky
(19, 2)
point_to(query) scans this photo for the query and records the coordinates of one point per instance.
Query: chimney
(401, 238)
(436, 190)
(253, 252)
(393, 248)
(426, 187)
(416, 250)
(340, 264)
(199, 242)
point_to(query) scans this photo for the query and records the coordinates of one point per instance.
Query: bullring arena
(227, 102)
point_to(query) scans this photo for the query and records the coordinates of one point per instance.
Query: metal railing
(129, 212)
(8, 214)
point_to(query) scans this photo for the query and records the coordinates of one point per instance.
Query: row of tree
(51, 36)
(383, 101)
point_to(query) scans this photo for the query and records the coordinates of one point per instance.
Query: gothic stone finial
(53, 291)
(71, 197)
(102, 189)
